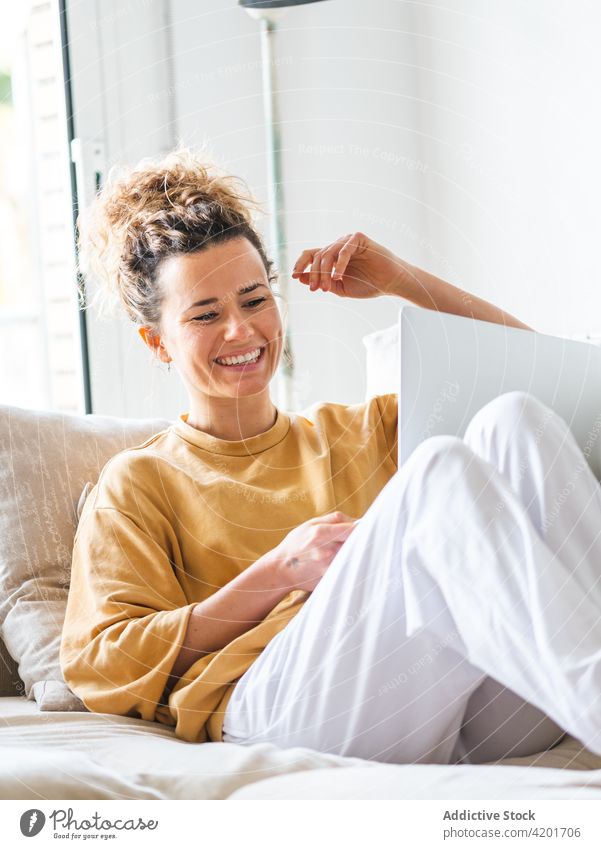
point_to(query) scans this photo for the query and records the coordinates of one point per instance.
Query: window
(40, 352)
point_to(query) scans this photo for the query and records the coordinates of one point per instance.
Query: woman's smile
(244, 361)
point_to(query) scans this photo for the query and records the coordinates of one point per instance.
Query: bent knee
(509, 412)
(438, 452)
(439, 469)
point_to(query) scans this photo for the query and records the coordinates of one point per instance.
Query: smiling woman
(348, 616)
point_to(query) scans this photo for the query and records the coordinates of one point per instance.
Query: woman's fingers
(328, 258)
(305, 259)
(333, 535)
(315, 275)
(328, 261)
(335, 516)
(324, 264)
(344, 254)
(345, 531)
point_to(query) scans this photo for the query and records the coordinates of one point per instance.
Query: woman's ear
(153, 341)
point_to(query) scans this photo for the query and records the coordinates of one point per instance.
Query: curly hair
(176, 205)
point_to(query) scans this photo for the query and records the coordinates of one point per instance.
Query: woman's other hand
(353, 266)
(304, 555)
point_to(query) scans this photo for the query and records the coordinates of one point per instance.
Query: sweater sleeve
(126, 615)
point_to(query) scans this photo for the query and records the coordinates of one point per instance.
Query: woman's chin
(245, 388)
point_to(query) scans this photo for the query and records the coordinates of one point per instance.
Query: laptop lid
(452, 366)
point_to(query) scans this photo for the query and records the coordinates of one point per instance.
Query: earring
(169, 367)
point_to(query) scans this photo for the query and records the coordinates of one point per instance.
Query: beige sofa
(75, 755)
(52, 747)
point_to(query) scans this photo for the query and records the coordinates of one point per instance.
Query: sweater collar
(233, 448)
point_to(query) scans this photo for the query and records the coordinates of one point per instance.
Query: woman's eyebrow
(250, 288)
(244, 291)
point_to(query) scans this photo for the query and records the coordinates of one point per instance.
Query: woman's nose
(237, 328)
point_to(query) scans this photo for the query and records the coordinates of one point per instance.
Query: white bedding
(62, 755)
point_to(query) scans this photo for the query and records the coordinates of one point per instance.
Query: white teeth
(251, 357)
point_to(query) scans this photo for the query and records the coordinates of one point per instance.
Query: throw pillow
(45, 461)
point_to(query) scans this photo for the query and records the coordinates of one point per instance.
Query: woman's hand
(357, 267)
(303, 556)
(351, 267)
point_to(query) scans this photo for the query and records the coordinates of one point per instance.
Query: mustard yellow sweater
(175, 519)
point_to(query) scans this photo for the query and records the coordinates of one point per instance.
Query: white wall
(463, 135)
(510, 123)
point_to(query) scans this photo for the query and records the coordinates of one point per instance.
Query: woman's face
(218, 305)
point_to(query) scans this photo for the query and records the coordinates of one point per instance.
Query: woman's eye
(209, 316)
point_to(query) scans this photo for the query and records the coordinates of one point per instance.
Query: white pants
(461, 620)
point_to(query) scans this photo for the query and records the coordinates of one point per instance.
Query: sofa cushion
(383, 365)
(134, 758)
(425, 781)
(45, 461)
(131, 756)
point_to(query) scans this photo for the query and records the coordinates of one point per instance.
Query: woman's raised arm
(355, 266)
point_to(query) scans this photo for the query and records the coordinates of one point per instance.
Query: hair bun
(179, 203)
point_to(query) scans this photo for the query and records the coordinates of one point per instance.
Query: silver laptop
(451, 366)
